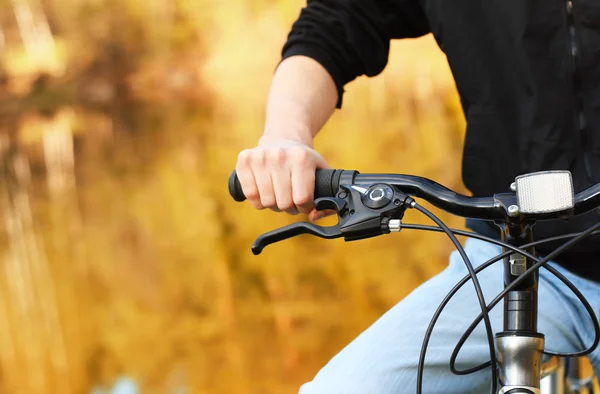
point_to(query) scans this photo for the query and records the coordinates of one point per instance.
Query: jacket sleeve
(350, 38)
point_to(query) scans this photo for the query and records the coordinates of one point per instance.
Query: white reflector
(545, 191)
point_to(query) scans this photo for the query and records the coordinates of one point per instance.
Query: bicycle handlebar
(487, 208)
(327, 183)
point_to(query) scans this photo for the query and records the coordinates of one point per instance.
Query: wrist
(300, 135)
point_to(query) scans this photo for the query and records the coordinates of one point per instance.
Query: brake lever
(363, 212)
(292, 230)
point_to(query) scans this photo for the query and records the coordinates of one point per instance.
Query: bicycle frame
(580, 378)
(553, 376)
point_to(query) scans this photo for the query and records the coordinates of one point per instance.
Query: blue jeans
(383, 359)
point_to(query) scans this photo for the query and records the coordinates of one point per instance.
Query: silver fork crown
(519, 390)
(519, 363)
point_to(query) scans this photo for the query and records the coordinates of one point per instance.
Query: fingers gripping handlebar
(362, 212)
(327, 183)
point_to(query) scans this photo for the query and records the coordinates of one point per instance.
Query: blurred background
(126, 267)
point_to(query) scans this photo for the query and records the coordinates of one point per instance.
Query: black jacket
(527, 71)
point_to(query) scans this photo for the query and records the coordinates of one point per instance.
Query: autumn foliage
(122, 253)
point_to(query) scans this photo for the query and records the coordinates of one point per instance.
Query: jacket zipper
(581, 119)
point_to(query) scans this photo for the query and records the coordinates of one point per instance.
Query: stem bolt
(513, 211)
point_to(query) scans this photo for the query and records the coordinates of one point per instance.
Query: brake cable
(521, 278)
(480, 297)
(465, 279)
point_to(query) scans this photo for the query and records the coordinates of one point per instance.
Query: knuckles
(276, 156)
(244, 157)
(302, 199)
(258, 158)
(269, 158)
(300, 156)
(285, 204)
(252, 195)
(267, 201)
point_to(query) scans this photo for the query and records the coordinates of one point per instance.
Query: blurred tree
(127, 266)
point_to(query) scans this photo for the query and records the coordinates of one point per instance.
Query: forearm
(301, 100)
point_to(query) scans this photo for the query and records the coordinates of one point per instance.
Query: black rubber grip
(326, 184)
(235, 189)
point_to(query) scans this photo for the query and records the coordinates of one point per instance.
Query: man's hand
(279, 174)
